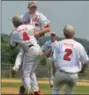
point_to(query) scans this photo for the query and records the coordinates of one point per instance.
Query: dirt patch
(11, 80)
(82, 84)
(9, 91)
(15, 91)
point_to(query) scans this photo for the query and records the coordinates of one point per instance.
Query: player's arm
(13, 47)
(83, 58)
(24, 18)
(45, 25)
(12, 42)
(45, 29)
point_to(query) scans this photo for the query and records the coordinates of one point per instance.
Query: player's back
(24, 35)
(68, 55)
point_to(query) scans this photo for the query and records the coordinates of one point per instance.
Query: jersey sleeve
(12, 42)
(25, 18)
(83, 55)
(44, 21)
(45, 46)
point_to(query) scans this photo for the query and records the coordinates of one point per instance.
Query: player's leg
(22, 88)
(35, 87)
(18, 60)
(26, 77)
(58, 81)
(17, 65)
(34, 84)
(28, 63)
(55, 89)
(50, 71)
(71, 83)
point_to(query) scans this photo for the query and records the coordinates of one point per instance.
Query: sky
(59, 13)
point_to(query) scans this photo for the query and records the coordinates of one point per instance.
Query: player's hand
(36, 34)
(40, 35)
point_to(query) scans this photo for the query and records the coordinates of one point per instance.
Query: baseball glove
(14, 71)
(13, 74)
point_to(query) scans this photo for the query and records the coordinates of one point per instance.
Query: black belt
(30, 45)
(67, 72)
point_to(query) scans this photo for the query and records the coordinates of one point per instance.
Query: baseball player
(69, 55)
(41, 24)
(47, 47)
(24, 37)
(39, 21)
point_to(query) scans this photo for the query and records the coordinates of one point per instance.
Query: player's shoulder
(21, 26)
(26, 26)
(40, 14)
(13, 34)
(56, 42)
(25, 13)
(48, 42)
(61, 41)
(78, 44)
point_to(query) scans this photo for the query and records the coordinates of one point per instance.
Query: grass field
(11, 86)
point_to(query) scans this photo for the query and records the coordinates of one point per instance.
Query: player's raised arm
(45, 25)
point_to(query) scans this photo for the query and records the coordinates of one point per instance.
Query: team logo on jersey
(35, 19)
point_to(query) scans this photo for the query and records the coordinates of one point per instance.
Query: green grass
(13, 85)
(46, 89)
(81, 90)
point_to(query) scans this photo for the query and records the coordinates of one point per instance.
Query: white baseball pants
(30, 59)
(61, 79)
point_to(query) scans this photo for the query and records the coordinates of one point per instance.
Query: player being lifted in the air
(69, 55)
(41, 24)
(24, 36)
(39, 21)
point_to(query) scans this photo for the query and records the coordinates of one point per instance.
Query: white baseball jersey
(69, 54)
(24, 36)
(38, 20)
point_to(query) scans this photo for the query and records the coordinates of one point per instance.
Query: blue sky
(59, 13)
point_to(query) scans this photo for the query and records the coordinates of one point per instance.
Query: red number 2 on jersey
(68, 54)
(25, 36)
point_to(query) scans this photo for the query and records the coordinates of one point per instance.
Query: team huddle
(64, 58)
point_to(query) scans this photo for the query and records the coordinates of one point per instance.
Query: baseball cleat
(22, 90)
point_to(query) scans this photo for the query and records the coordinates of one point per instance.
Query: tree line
(8, 55)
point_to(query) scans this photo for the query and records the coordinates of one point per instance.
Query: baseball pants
(64, 79)
(30, 61)
(19, 58)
